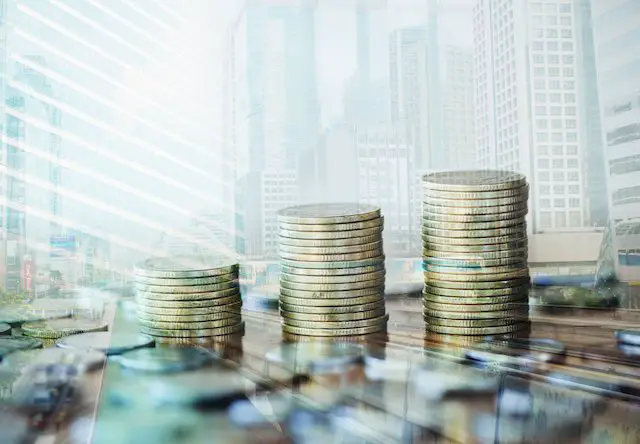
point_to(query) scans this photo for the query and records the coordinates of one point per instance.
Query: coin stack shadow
(474, 252)
(188, 298)
(332, 270)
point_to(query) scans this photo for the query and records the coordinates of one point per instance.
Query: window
(626, 195)
(566, 34)
(538, 72)
(556, 124)
(543, 163)
(570, 110)
(543, 176)
(574, 189)
(541, 97)
(554, 84)
(572, 137)
(560, 219)
(556, 137)
(542, 137)
(574, 202)
(573, 176)
(629, 164)
(556, 110)
(552, 20)
(543, 150)
(565, 21)
(552, 46)
(572, 163)
(558, 203)
(545, 219)
(572, 150)
(558, 189)
(565, 8)
(558, 163)
(541, 124)
(545, 190)
(567, 46)
(541, 110)
(555, 97)
(539, 84)
(567, 59)
(538, 58)
(569, 84)
(568, 72)
(538, 45)
(558, 176)
(552, 33)
(553, 59)
(545, 203)
(570, 124)
(557, 151)
(554, 72)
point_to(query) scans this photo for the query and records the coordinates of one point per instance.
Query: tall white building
(617, 42)
(279, 190)
(527, 99)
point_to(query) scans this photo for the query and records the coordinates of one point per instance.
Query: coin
(322, 287)
(333, 331)
(509, 288)
(329, 235)
(474, 323)
(473, 331)
(522, 191)
(507, 246)
(479, 285)
(109, 343)
(472, 211)
(57, 328)
(18, 313)
(339, 279)
(188, 288)
(374, 261)
(487, 233)
(476, 203)
(471, 226)
(179, 297)
(165, 360)
(373, 223)
(343, 324)
(472, 218)
(431, 239)
(328, 243)
(331, 310)
(329, 272)
(479, 180)
(145, 303)
(185, 267)
(146, 311)
(473, 263)
(9, 344)
(172, 333)
(475, 255)
(377, 245)
(142, 281)
(332, 317)
(5, 329)
(331, 302)
(443, 279)
(186, 318)
(474, 307)
(471, 272)
(328, 213)
(517, 313)
(467, 301)
(333, 257)
(350, 294)
(233, 319)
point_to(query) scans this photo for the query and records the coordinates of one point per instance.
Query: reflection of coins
(9, 344)
(19, 313)
(185, 267)
(330, 213)
(5, 329)
(308, 356)
(109, 343)
(84, 360)
(57, 328)
(164, 359)
(333, 331)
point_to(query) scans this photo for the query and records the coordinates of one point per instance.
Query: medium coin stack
(474, 248)
(332, 270)
(185, 297)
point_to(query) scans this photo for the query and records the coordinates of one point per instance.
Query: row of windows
(551, 8)
(557, 150)
(538, 45)
(556, 137)
(560, 219)
(625, 165)
(624, 134)
(551, 33)
(559, 176)
(626, 196)
(556, 124)
(558, 163)
(572, 202)
(545, 190)
(552, 71)
(541, 84)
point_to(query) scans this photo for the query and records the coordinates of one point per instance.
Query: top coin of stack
(332, 270)
(474, 239)
(186, 297)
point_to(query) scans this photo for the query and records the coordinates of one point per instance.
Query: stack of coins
(332, 270)
(474, 252)
(184, 297)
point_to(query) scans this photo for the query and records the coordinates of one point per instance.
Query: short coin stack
(184, 297)
(332, 270)
(474, 252)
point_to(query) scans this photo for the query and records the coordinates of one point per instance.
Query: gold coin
(474, 234)
(223, 313)
(189, 311)
(145, 303)
(180, 267)
(335, 302)
(220, 331)
(443, 279)
(473, 180)
(476, 255)
(345, 309)
(329, 213)
(473, 263)
(472, 271)
(468, 302)
(348, 286)
(333, 257)
(508, 290)
(287, 249)
(343, 324)
(462, 307)
(472, 323)
(473, 195)
(507, 246)
(339, 279)
(471, 331)
(58, 328)
(336, 265)
(305, 294)
(188, 288)
(333, 332)
(502, 314)
(142, 281)
(329, 235)
(324, 243)
(431, 239)
(471, 226)
(331, 271)
(332, 317)
(375, 338)
(471, 218)
(231, 320)
(475, 203)
(187, 297)
(472, 211)
(373, 223)
(461, 285)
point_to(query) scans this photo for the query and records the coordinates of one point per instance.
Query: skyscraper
(528, 92)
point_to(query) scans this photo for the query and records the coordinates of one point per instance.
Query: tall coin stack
(184, 297)
(332, 270)
(474, 248)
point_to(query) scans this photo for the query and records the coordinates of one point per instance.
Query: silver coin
(373, 223)
(477, 256)
(184, 297)
(473, 263)
(515, 236)
(342, 242)
(109, 343)
(332, 309)
(329, 272)
(142, 281)
(188, 310)
(334, 265)
(175, 289)
(165, 360)
(347, 286)
(287, 249)
(473, 195)
(329, 213)
(471, 226)
(185, 267)
(329, 235)
(510, 209)
(506, 246)
(332, 279)
(471, 218)
(517, 230)
(329, 294)
(474, 180)
(478, 285)
(478, 203)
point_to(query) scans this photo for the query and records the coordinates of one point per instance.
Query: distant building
(279, 190)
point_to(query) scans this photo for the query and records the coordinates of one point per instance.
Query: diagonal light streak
(107, 180)
(46, 126)
(136, 142)
(150, 17)
(48, 72)
(93, 203)
(172, 12)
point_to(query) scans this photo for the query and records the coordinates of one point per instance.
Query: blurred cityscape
(131, 129)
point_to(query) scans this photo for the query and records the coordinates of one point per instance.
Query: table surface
(601, 407)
